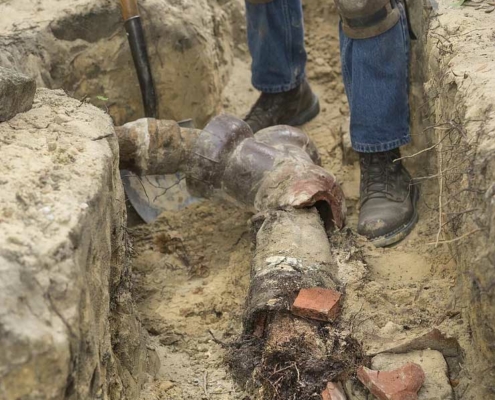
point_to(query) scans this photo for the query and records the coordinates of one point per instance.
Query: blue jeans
(375, 71)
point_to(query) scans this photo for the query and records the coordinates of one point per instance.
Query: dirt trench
(191, 268)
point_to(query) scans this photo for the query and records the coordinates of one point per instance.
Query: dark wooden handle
(129, 9)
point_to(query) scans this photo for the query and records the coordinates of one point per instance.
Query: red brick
(333, 391)
(317, 303)
(400, 384)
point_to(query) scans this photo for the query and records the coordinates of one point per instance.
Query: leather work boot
(388, 199)
(295, 107)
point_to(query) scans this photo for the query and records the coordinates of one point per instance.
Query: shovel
(149, 195)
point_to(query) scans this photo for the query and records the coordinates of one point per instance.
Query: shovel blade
(153, 194)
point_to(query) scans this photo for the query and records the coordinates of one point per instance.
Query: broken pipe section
(276, 169)
(276, 173)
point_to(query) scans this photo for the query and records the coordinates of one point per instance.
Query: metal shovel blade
(153, 194)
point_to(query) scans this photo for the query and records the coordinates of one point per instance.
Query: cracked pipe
(277, 168)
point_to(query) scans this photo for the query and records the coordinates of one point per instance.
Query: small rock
(16, 240)
(52, 145)
(320, 61)
(391, 329)
(333, 391)
(16, 93)
(454, 382)
(400, 384)
(317, 303)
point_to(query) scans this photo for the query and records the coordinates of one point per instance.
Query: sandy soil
(189, 283)
(192, 268)
(82, 47)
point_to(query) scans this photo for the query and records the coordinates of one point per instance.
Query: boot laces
(378, 172)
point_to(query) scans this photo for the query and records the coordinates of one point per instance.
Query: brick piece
(400, 384)
(16, 93)
(333, 391)
(317, 303)
(436, 385)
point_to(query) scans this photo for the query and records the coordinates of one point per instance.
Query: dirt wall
(68, 328)
(81, 46)
(455, 140)
(67, 320)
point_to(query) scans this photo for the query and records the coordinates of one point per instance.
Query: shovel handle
(129, 9)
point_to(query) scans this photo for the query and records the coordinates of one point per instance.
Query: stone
(436, 385)
(16, 93)
(317, 303)
(333, 391)
(391, 329)
(400, 384)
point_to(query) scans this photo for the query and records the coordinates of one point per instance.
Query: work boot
(295, 107)
(388, 198)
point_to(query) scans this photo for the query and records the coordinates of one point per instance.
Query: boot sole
(400, 233)
(307, 115)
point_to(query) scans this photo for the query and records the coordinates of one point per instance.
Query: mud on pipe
(277, 168)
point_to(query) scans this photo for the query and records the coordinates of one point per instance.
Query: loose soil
(191, 268)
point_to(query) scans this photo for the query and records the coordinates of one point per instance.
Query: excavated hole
(185, 296)
(193, 288)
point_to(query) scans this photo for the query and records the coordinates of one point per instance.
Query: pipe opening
(326, 215)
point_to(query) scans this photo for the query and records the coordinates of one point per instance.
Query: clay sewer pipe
(277, 168)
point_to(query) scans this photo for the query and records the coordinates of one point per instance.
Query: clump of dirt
(300, 356)
(295, 360)
(244, 355)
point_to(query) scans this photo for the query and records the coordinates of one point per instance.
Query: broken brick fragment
(317, 303)
(400, 384)
(333, 391)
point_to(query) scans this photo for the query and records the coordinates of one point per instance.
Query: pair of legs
(375, 73)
